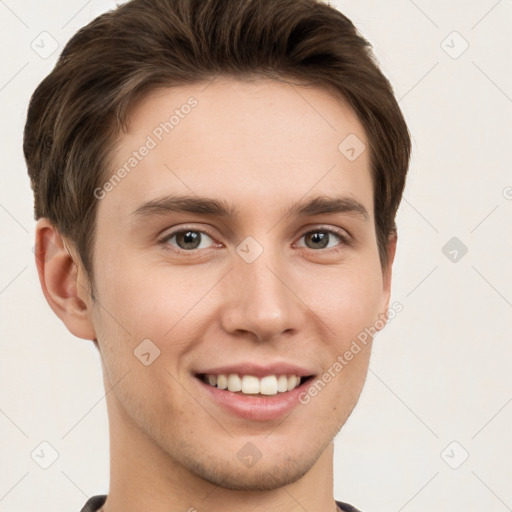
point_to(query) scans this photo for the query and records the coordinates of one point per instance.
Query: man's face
(296, 293)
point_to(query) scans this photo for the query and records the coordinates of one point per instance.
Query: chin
(267, 477)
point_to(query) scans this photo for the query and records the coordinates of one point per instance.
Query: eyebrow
(221, 208)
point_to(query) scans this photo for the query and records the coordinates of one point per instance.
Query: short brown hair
(79, 109)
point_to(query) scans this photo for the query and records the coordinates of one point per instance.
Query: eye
(187, 239)
(324, 239)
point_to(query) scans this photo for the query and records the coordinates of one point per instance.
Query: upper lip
(258, 370)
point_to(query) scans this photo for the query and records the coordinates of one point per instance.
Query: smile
(264, 398)
(251, 385)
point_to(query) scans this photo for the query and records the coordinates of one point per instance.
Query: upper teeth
(250, 385)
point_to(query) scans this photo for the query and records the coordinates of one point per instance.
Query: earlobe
(60, 278)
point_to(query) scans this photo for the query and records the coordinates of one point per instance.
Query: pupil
(320, 237)
(190, 239)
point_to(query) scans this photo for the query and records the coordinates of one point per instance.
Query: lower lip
(257, 408)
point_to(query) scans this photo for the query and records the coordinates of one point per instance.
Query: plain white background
(432, 430)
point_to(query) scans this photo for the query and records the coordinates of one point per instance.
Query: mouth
(265, 397)
(251, 385)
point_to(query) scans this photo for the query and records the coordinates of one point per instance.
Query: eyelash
(344, 240)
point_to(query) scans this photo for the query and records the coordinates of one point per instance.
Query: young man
(216, 183)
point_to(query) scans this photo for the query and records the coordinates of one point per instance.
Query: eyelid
(344, 236)
(327, 227)
(163, 239)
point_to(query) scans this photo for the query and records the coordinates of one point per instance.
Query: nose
(260, 299)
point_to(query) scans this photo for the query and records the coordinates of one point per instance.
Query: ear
(387, 272)
(63, 281)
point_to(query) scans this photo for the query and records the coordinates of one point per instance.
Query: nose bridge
(260, 299)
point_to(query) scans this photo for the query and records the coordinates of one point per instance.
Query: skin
(260, 145)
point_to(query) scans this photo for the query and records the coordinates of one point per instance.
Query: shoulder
(94, 503)
(345, 507)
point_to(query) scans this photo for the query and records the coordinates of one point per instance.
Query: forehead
(259, 141)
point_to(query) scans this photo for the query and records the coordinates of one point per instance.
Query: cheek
(148, 300)
(140, 313)
(349, 308)
(164, 305)
(348, 300)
